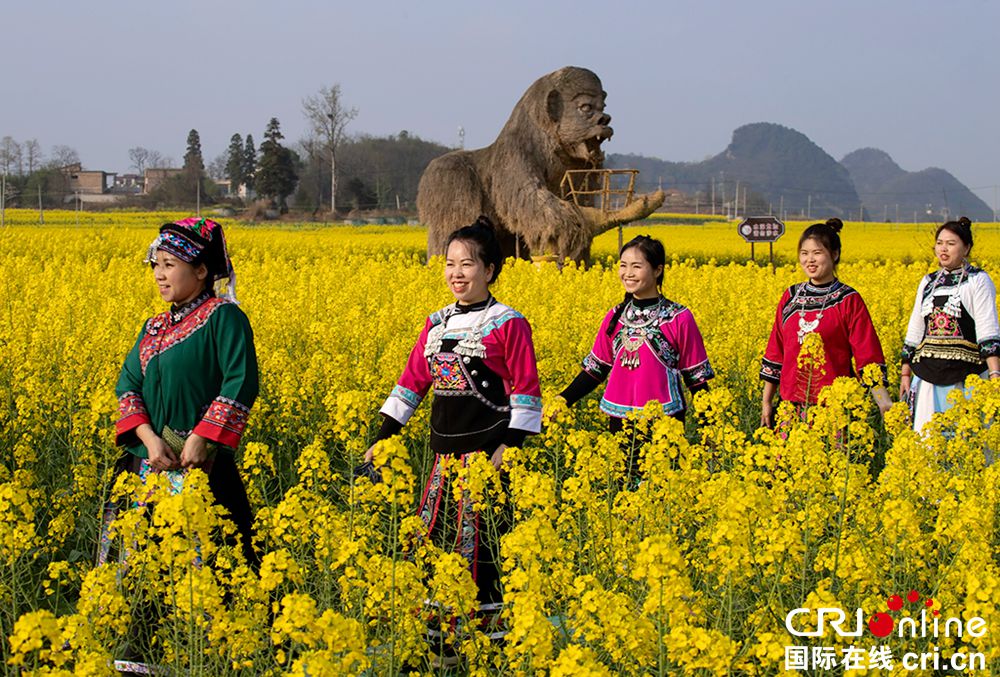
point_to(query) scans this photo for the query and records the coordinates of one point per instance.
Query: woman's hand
(553, 408)
(161, 456)
(905, 381)
(882, 399)
(767, 404)
(497, 458)
(767, 414)
(195, 451)
(370, 454)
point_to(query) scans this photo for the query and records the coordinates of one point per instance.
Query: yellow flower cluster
(690, 570)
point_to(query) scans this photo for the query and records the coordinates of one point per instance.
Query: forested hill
(890, 192)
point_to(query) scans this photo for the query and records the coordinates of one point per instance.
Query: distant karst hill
(782, 167)
(789, 174)
(887, 190)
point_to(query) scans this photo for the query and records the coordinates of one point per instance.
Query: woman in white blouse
(953, 330)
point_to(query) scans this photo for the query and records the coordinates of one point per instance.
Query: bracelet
(994, 372)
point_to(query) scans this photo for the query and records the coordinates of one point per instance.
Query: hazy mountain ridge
(885, 188)
(785, 170)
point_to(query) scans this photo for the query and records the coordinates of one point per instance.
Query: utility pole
(41, 211)
(198, 199)
(809, 208)
(3, 199)
(333, 166)
(736, 205)
(781, 207)
(897, 212)
(713, 196)
(722, 187)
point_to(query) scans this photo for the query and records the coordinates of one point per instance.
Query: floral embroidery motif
(448, 374)
(941, 323)
(595, 367)
(770, 371)
(131, 404)
(162, 333)
(227, 414)
(432, 496)
(697, 374)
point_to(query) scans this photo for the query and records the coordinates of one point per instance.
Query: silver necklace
(639, 330)
(470, 345)
(808, 327)
(953, 306)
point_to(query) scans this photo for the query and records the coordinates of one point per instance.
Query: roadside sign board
(761, 229)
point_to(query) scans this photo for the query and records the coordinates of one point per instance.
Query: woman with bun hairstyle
(646, 347)
(478, 356)
(824, 305)
(953, 330)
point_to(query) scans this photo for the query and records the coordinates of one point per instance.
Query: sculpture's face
(582, 124)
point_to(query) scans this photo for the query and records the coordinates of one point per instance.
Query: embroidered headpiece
(198, 240)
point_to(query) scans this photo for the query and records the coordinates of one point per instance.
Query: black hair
(962, 228)
(483, 236)
(827, 234)
(656, 256)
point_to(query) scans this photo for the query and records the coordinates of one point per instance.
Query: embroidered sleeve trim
(224, 422)
(526, 402)
(400, 404)
(131, 414)
(989, 347)
(407, 395)
(596, 367)
(698, 374)
(770, 371)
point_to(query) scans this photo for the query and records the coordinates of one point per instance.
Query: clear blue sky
(918, 79)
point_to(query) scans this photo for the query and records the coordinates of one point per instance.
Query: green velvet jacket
(193, 368)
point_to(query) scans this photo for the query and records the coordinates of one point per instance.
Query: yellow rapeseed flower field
(693, 572)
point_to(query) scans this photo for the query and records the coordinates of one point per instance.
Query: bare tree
(33, 154)
(328, 117)
(217, 167)
(10, 155)
(64, 155)
(140, 159)
(157, 160)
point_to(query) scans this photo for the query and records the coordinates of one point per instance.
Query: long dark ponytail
(656, 256)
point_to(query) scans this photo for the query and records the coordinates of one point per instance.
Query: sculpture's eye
(586, 108)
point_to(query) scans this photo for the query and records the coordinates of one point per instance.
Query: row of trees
(326, 171)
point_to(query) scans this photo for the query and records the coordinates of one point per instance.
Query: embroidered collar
(819, 289)
(646, 303)
(473, 307)
(178, 313)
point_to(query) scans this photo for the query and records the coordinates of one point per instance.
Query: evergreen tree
(276, 176)
(234, 163)
(193, 162)
(249, 165)
(191, 183)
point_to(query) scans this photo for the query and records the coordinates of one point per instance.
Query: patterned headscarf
(198, 240)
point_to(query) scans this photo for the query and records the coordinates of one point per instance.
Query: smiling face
(950, 250)
(816, 261)
(178, 281)
(467, 276)
(637, 275)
